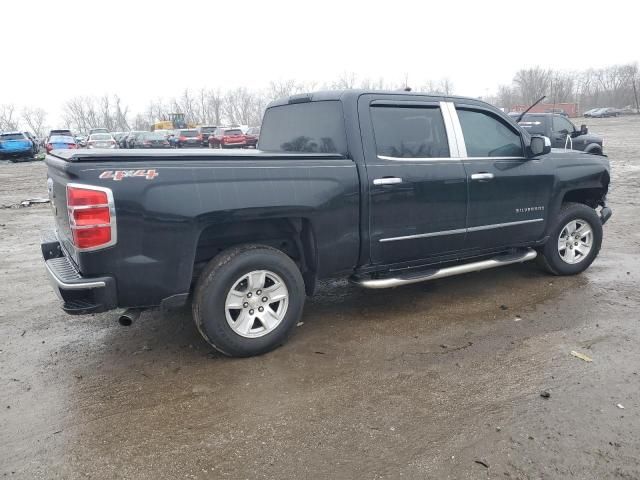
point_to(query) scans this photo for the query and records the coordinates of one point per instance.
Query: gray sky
(143, 50)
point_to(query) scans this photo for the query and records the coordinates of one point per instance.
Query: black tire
(220, 276)
(549, 256)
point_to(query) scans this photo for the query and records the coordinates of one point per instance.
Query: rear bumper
(79, 294)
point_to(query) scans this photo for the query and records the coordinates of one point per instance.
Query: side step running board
(494, 262)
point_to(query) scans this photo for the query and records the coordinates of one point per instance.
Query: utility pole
(635, 94)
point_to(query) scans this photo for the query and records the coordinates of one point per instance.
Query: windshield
(11, 136)
(100, 136)
(234, 131)
(189, 133)
(61, 139)
(153, 136)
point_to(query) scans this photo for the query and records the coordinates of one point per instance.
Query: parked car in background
(150, 140)
(117, 136)
(61, 142)
(165, 133)
(602, 112)
(101, 140)
(122, 141)
(131, 138)
(187, 137)
(205, 131)
(252, 136)
(15, 145)
(98, 130)
(34, 141)
(63, 131)
(561, 132)
(605, 113)
(227, 138)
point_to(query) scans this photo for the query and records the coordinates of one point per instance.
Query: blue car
(15, 145)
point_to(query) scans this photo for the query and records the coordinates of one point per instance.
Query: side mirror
(583, 129)
(539, 145)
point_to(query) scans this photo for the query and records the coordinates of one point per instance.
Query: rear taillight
(183, 138)
(91, 216)
(72, 145)
(49, 147)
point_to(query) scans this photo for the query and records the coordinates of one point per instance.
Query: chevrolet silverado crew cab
(386, 189)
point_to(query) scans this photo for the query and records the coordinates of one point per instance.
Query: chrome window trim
(417, 159)
(448, 127)
(462, 230)
(456, 129)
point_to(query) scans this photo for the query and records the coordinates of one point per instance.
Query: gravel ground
(436, 380)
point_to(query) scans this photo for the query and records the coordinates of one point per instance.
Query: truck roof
(353, 94)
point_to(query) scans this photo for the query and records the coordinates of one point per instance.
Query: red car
(252, 136)
(227, 138)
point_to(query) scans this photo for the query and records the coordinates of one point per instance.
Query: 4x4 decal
(118, 175)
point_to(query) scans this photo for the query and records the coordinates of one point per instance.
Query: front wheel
(248, 300)
(574, 242)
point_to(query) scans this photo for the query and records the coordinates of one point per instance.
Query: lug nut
(576, 244)
(245, 304)
(251, 312)
(249, 295)
(265, 299)
(261, 309)
(259, 292)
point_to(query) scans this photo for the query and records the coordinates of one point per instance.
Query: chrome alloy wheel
(256, 304)
(575, 241)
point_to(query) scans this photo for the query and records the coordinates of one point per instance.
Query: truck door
(508, 193)
(561, 129)
(417, 186)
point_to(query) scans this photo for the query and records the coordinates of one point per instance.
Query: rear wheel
(248, 300)
(574, 241)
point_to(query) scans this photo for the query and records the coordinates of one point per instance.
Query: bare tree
(346, 81)
(35, 119)
(532, 83)
(243, 107)
(446, 86)
(8, 117)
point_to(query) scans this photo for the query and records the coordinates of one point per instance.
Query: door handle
(387, 181)
(482, 176)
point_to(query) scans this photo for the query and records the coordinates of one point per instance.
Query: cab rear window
(11, 136)
(312, 127)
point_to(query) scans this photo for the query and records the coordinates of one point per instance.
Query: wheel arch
(293, 236)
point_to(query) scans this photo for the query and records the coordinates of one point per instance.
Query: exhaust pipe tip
(128, 317)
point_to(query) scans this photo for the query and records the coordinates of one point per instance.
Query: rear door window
(409, 132)
(313, 127)
(488, 136)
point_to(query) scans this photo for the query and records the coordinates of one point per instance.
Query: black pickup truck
(561, 132)
(385, 188)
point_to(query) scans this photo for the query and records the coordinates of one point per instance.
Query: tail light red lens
(91, 216)
(73, 145)
(183, 138)
(49, 147)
